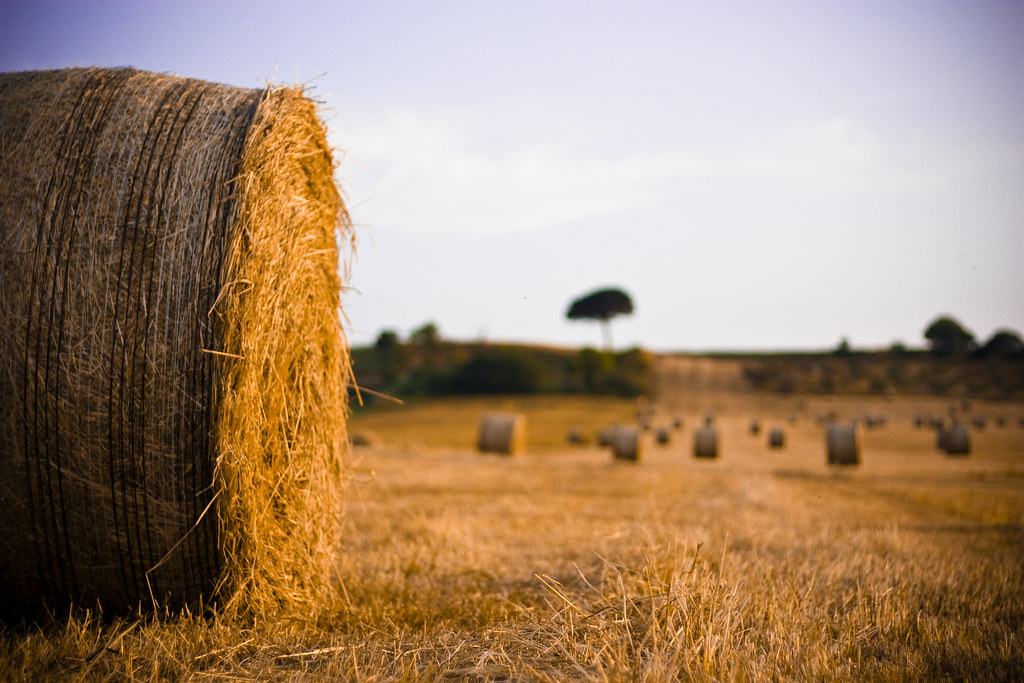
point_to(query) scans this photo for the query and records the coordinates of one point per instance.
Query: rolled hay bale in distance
(705, 442)
(663, 436)
(606, 434)
(842, 444)
(503, 433)
(627, 443)
(956, 440)
(755, 427)
(776, 438)
(575, 437)
(174, 400)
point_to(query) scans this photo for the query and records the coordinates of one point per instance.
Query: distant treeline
(896, 371)
(426, 365)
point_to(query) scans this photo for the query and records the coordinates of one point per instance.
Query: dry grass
(562, 564)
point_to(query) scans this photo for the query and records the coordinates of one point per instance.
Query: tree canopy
(947, 336)
(602, 305)
(1004, 343)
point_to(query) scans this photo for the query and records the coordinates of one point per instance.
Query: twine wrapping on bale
(705, 442)
(503, 433)
(174, 401)
(842, 444)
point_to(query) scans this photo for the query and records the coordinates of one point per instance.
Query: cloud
(461, 174)
(467, 173)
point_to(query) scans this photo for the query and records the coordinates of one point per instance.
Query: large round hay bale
(503, 433)
(174, 388)
(842, 444)
(776, 438)
(705, 442)
(956, 440)
(755, 427)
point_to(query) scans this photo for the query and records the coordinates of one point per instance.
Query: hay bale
(705, 442)
(627, 444)
(776, 438)
(174, 400)
(755, 427)
(365, 438)
(663, 436)
(502, 433)
(607, 434)
(677, 422)
(956, 440)
(575, 437)
(941, 432)
(842, 444)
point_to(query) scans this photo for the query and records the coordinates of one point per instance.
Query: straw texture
(174, 402)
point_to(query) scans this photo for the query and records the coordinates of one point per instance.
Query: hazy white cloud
(457, 174)
(467, 174)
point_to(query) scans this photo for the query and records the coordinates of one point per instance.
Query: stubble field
(562, 564)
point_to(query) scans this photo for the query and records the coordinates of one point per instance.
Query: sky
(755, 175)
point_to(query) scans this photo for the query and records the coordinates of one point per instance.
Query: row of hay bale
(625, 441)
(977, 422)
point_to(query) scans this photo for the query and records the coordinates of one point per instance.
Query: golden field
(562, 564)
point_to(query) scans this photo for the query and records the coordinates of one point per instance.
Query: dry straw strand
(169, 310)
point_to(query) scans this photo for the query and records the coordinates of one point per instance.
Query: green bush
(498, 372)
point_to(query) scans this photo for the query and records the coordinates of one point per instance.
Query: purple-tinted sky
(757, 175)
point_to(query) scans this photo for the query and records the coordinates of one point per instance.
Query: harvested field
(563, 564)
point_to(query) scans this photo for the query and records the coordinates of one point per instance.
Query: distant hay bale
(777, 438)
(705, 442)
(842, 444)
(364, 438)
(606, 434)
(663, 435)
(755, 427)
(174, 394)
(956, 440)
(627, 443)
(503, 433)
(575, 437)
(677, 422)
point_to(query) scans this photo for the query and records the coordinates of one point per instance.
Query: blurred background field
(562, 563)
